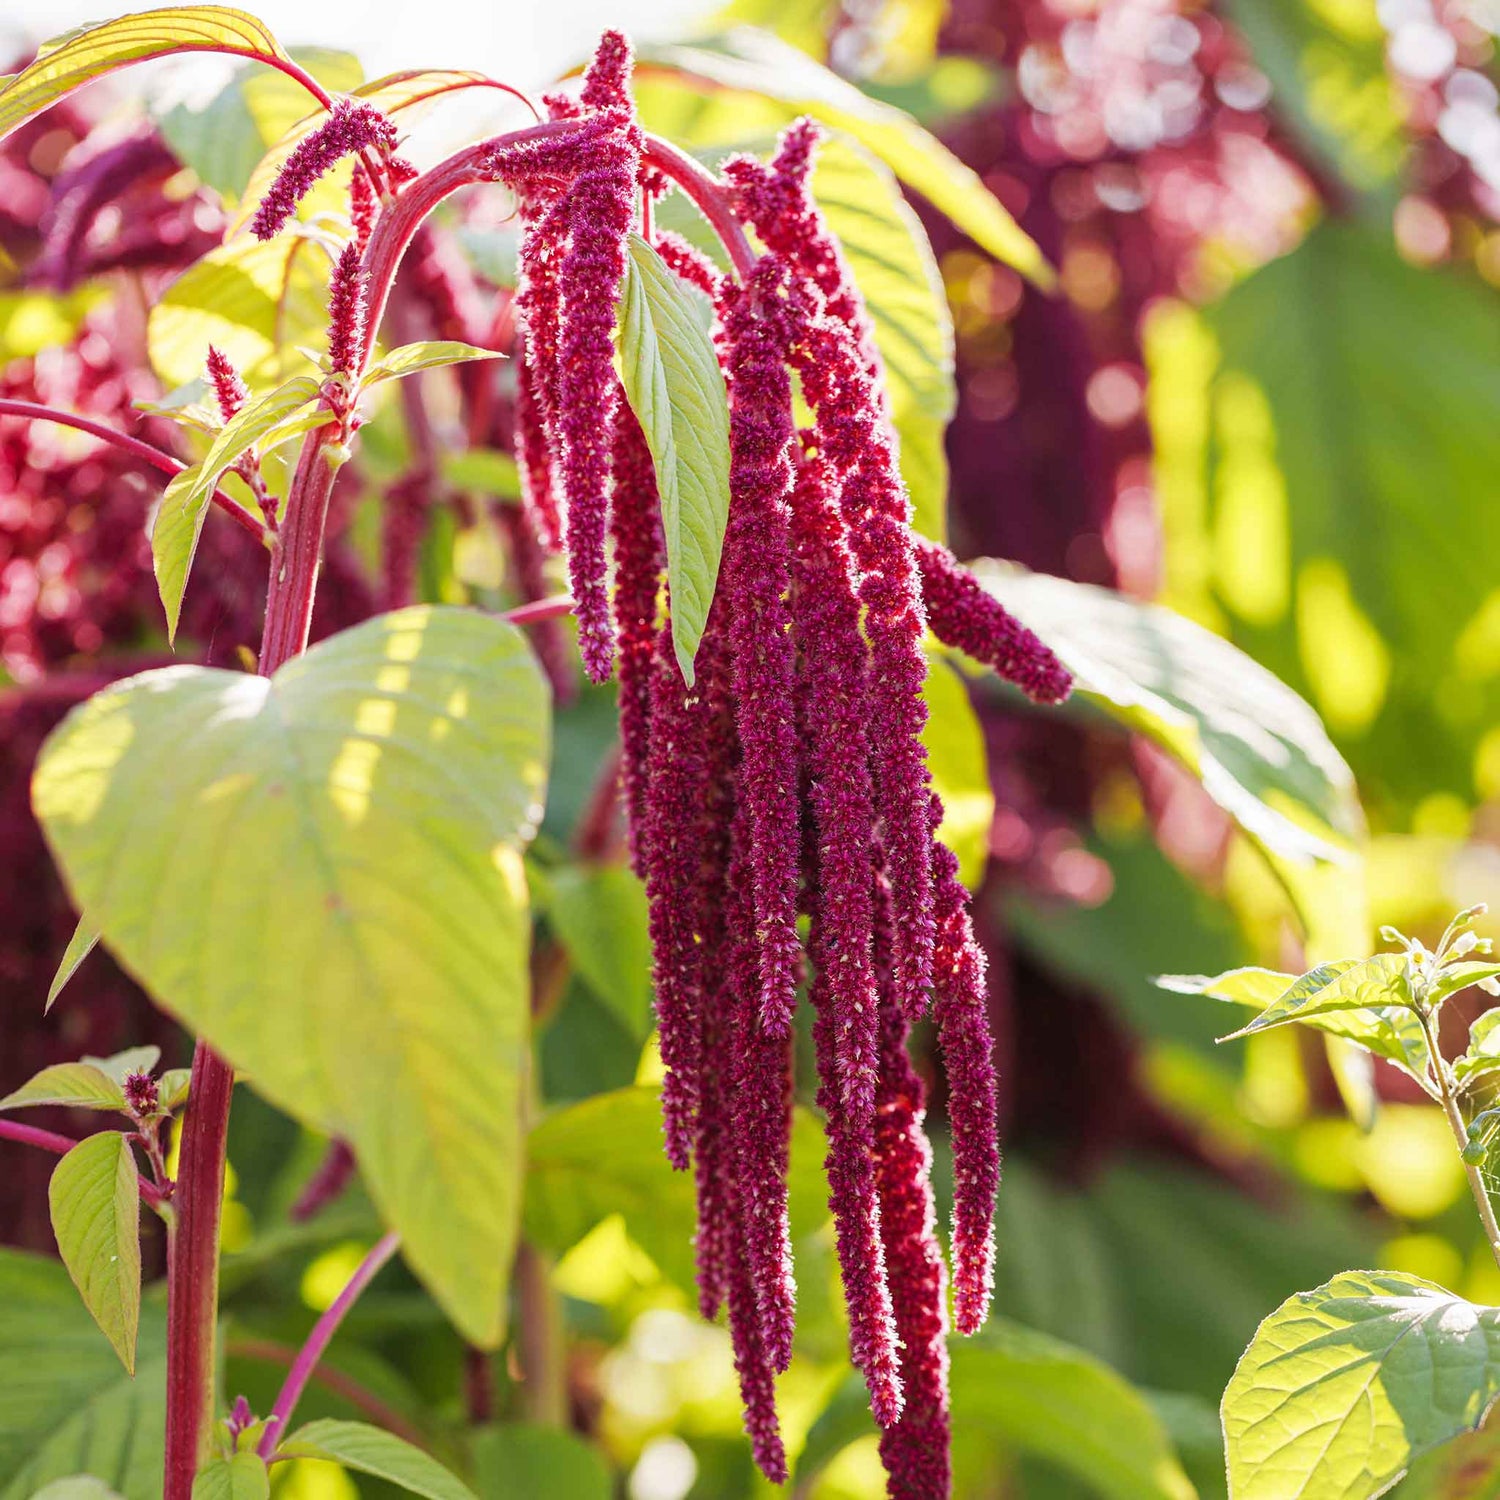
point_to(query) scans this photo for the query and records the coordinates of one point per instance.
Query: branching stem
(60, 1145)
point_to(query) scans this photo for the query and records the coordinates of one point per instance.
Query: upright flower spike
(352, 126)
(363, 205)
(757, 339)
(346, 312)
(228, 386)
(966, 616)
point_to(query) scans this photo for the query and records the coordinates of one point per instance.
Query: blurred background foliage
(1264, 394)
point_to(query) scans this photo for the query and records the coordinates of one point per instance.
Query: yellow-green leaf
(369, 1450)
(80, 56)
(426, 355)
(1344, 1385)
(243, 1477)
(755, 62)
(184, 503)
(80, 945)
(676, 389)
(960, 770)
(95, 1198)
(366, 966)
(78, 1085)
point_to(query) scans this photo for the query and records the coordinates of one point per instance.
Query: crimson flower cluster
(788, 782)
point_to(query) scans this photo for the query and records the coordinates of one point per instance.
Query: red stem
(134, 446)
(193, 1271)
(60, 1145)
(318, 1340)
(539, 610)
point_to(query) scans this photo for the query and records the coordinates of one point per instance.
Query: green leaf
(600, 915)
(80, 945)
(1344, 1385)
(257, 303)
(1327, 66)
(1297, 471)
(1483, 1054)
(243, 1477)
(1327, 999)
(95, 1198)
(184, 504)
(80, 56)
(521, 1460)
(77, 1085)
(1374, 984)
(76, 1487)
(66, 1400)
(1258, 749)
(1454, 977)
(959, 764)
(389, 777)
(225, 138)
(172, 1088)
(604, 1156)
(426, 355)
(368, 1450)
(121, 1065)
(676, 389)
(755, 62)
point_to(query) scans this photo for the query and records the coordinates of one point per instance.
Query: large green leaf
(1258, 749)
(95, 1199)
(1328, 74)
(368, 1450)
(223, 139)
(601, 918)
(65, 1404)
(321, 873)
(756, 62)
(1344, 1385)
(1328, 462)
(604, 1156)
(257, 303)
(521, 1460)
(184, 503)
(676, 389)
(1379, 983)
(80, 56)
(242, 1477)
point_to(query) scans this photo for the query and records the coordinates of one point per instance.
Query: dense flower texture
(789, 779)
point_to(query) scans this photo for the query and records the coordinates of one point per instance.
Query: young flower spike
(229, 388)
(346, 312)
(352, 126)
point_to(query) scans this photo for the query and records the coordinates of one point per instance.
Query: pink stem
(318, 1341)
(60, 1145)
(711, 198)
(134, 446)
(541, 609)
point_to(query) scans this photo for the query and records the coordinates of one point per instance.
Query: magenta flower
(352, 126)
(227, 384)
(346, 312)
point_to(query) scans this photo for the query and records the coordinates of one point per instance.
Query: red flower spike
(229, 388)
(914, 1450)
(635, 527)
(965, 615)
(346, 312)
(963, 1026)
(689, 263)
(757, 338)
(363, 205)
(352, 126)
(606, 83)
(756, 1375)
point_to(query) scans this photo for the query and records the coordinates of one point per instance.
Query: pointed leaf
(676, 389)
(428, 354)
(80, 945)
(1257, 987)
(1259, 750)
(390, 776)
(1374, 984)
(121, 1065)
(80, 56)
(1459, 976)
(172, 1088)
(243, 1477)
(756, 62)
(78, 1085)
(179, 519)
(369, 1450)
(1344, 1385)
(95, 1197)
(1483, 1054)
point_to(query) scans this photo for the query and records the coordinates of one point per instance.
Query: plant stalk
(193, 1271)
(318, 1341)
(540, 1338)
(1447, 1094)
